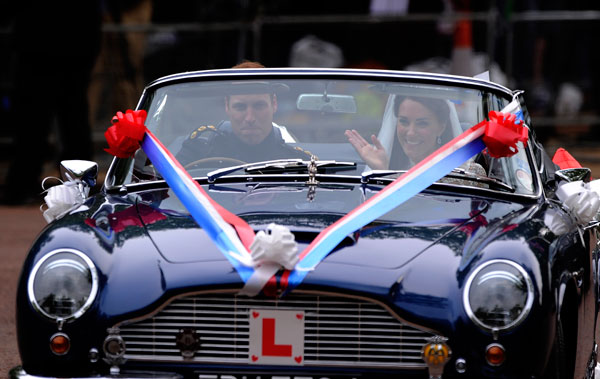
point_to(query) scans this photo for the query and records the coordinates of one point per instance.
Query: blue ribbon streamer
(197, 210)
(412, 188)
(227, 244)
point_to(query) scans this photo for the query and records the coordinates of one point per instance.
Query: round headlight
(63, 284)
(498, 295)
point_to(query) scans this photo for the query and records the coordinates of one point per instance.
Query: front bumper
(19, 373)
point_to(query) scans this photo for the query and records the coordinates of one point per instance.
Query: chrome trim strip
(350, 73)
(19, 373)
(538, 176)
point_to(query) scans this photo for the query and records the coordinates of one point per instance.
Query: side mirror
(573, 174)
(86, 171)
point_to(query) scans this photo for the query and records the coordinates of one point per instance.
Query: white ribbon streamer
(270, 251)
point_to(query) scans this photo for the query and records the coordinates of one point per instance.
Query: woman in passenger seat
(422, 127)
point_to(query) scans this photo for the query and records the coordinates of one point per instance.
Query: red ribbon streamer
(501, 135)
(124, 138)
(502, 132)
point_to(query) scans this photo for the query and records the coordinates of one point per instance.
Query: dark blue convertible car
(298, 223)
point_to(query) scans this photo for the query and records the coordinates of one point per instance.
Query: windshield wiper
(228, 170)
(375, 174)
(280, 166)
(459, 173)
(301, 166)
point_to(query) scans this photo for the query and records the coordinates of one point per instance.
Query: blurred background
(67, 67)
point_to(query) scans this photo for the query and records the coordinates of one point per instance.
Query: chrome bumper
(19, 373)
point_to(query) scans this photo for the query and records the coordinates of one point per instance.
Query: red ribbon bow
(502, 132)
(126, 133)
(564, 159)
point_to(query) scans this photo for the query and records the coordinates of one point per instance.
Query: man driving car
(249, 135)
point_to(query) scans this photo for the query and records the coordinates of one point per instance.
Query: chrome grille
(339, 331)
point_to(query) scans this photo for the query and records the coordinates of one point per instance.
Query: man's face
(251, 116)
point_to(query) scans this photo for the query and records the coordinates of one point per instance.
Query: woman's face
(418, 130)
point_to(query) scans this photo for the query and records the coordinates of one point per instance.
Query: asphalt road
(18, 228)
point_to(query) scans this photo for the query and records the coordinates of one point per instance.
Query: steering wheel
(213, 162)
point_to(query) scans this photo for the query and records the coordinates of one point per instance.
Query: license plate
(276, 337)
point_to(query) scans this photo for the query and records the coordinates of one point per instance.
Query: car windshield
(365, 125)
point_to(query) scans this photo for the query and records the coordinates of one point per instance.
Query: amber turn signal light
(60, 344)
(495, 354)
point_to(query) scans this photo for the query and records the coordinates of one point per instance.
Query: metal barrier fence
(249, 43)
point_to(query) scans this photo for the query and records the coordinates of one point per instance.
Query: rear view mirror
(326, 103)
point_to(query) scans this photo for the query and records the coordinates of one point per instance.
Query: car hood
(414, 256)
(427, 220)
